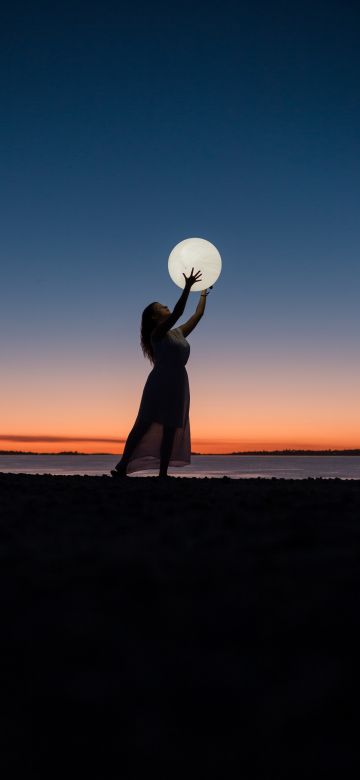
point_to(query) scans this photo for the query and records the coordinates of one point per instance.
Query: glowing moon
(199, 254)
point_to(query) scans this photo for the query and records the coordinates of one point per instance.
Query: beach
(181, 625)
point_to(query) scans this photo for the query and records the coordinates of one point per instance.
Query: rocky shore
(181, 626)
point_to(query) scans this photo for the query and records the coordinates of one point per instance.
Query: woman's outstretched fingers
(192, 278)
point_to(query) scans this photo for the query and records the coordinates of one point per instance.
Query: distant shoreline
(203, 454)
(283, 452)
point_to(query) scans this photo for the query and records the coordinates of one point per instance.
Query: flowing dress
(165, 402)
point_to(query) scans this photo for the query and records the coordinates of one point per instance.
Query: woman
(161, 433)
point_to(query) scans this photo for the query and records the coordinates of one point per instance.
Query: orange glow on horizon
(241, 406)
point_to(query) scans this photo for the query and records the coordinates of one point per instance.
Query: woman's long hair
(147, 326)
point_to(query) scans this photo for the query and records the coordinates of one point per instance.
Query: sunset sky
(126, 128)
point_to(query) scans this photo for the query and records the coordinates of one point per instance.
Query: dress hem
(146, 463)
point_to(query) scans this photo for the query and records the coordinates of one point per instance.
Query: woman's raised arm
(162, 328)
(188, 326)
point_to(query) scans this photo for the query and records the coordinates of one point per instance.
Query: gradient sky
(126, 128)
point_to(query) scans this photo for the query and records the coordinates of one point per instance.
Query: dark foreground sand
(192, 627)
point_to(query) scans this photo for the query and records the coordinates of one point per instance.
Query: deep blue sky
(128, 127)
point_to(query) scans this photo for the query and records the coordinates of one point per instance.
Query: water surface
(235, 466)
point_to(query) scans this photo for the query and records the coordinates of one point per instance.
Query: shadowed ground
(205, 626)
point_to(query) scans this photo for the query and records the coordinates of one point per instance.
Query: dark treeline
(70, 452)
(284, 452)
(218, 454)
(300, 452)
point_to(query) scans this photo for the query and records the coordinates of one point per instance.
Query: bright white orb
(199, 254)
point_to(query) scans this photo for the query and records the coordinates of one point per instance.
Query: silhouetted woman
(161, 433)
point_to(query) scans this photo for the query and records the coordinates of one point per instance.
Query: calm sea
(235, 466)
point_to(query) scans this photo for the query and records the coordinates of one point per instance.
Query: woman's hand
(192, 278)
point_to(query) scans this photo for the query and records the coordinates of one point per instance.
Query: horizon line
(54, 438)
(284, 450)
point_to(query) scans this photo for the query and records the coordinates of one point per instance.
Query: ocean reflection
(214, 466)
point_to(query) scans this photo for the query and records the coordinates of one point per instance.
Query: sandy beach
(205, 626)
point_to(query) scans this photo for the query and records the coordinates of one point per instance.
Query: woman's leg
(133, 439)
(165, 451)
